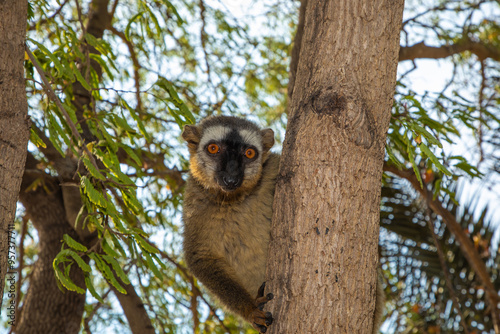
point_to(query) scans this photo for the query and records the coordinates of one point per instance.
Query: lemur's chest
(243, 238)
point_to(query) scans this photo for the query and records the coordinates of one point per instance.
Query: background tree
(14, 123)
(116, 82)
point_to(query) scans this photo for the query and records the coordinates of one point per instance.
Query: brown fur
(226, 234)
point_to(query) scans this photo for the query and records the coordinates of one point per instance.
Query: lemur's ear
(267, 139)
(191, 134)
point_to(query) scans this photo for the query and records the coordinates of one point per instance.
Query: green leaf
(108, 250)
(145, 245)
(74, 244)
(90, 286)
(81, 263)
(103, 64)
(134, 115)
(132, 20)
(66, 282)
(36, 140)
(96, 43)
(392, 157)
(80, 78)
(151, 265)
(414, 165)
(117, 245)
(131, 153)
(95, 196)
(122, 124)
(420, 130)
(55, 133)
(174, 10)
(107, 273)
(152, 16)
(62, 71)
(434, 159)
(92, 169)
(176, 100)
(118, 269)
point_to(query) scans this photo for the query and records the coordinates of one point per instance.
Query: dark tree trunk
(46, 309)
(323, 249)
(14, 122)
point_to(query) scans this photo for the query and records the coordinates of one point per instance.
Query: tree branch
(134, 309)
(135, 61)
(421, 50)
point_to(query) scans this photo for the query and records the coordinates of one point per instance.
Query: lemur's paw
(261, 320)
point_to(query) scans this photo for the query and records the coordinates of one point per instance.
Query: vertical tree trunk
(323, 251)
(14, 122)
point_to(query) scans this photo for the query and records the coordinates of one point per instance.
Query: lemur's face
(229, 154)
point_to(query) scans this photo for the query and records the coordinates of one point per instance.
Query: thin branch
(135, 61)
(113, 9)
(196, 290)
(421, 50)
(96, 307)
(194, 307)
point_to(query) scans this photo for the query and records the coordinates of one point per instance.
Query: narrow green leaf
(92, 170)
(80, 78)
(66, 282)
(74, 244)
(117, 245)
(36, 140)
(145, 245)
(62, 71)
(122, 124)
(90, 286)
(103, 64)
(117, 268)
(151, 265)
(414, 165)
(81, 263)
(131, 153)
(132, 20)
(420, 130)
(136, 117)
(107, 273)
(95, 196)
(174, 10)
(108, 249)
(434, 159)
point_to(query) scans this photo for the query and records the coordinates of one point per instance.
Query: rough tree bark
(14, 122)
(323, 249)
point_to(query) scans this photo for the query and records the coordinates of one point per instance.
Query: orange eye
(250, 153)
(213, 148)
